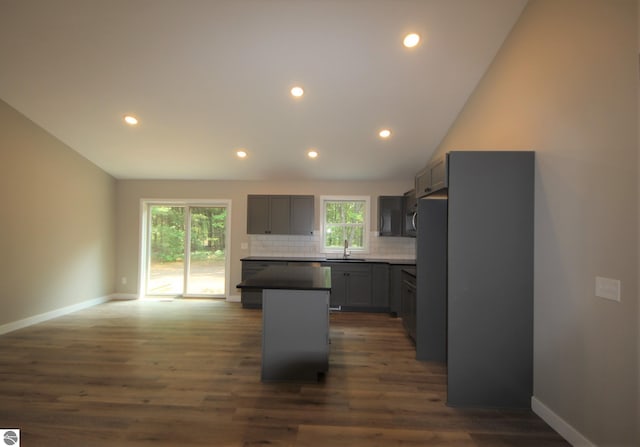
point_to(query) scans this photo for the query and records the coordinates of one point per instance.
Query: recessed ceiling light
(297, 91)
(312, 153)
(384, 133)
(130, 120)
(241, 153)
(411, 40)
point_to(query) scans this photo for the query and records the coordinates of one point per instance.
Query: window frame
(366, 222)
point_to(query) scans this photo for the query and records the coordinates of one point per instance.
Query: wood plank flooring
(187, 373)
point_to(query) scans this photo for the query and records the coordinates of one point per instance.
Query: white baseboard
(133, 296)
(566, 430)
(15, 325)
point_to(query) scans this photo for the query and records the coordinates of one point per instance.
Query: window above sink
(345, 218)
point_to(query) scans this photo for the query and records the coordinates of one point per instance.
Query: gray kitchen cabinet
(358, 285)
(423, 182)
(408, 304)
(280, 214)
(252, 298)
(395, 287)
(474, 305)
(490, 279)
(302, 215)
(355, 286)
(295, 334)
(258, 214)
(351, 285)
(338, 285)
(268, 214)
(390, 215)
(431, 333)
(432, 178)
(380, 287)
(438, 169)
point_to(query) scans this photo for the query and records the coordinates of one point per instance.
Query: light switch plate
(244, 246)
(608, 288)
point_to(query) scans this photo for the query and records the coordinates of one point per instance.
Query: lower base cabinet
(252, 298)
(295, 348)
(355, 286)
(350, 285)
(396, 286)
(408, 304)
(359, 286)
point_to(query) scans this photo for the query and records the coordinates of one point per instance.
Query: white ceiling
(206, 77)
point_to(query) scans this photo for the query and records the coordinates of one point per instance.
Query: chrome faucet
(346, 251)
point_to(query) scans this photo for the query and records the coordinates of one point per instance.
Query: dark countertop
(290, 277)
(390, 261)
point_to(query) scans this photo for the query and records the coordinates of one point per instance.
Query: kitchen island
(295, 320)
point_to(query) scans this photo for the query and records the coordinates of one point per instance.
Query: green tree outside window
(344, 220)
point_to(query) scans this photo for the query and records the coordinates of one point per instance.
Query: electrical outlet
(608, 288)
(244, 246)
(124, 280)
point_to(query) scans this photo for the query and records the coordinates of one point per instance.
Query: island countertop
(289, 277)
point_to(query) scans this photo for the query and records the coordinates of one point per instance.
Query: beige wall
(562, 85)
(131, 192)
(58, 225)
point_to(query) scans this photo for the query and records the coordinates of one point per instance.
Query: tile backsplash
(310, 246)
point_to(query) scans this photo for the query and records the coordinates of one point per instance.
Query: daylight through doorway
(177, 268)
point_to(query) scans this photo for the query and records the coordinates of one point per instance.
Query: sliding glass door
(206, 267)
(166, 250)
(177, 268)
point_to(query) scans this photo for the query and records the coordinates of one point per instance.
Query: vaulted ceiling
(208, 77)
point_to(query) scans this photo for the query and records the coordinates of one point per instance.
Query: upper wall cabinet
(432, 178)
(280, 214)
(397, 215)
(390, 215)
(268, 214)
(302, 214)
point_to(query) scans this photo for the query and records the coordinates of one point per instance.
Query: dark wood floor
(186, 373)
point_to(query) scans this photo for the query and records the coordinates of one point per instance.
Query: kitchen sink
(346, 260)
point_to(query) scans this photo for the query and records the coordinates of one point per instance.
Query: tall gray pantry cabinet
(474, 302)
